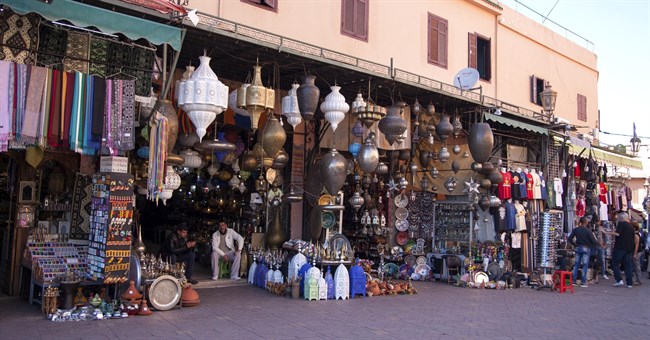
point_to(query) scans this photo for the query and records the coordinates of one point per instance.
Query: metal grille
(553, 153)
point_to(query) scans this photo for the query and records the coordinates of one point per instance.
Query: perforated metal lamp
(549, 97)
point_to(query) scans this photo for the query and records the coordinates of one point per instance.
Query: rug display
(18, 35)
(81, 199)
(52, 45)
(77, 52)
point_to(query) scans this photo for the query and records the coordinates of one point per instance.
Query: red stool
(563, 281)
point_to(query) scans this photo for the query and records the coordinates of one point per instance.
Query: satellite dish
(466, 78)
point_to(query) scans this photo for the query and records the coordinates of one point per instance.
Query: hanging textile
(5, 118)
(54, 126)
(67, 96)
(81, 199)
(52, 44)
(77, 52)
(77, 116)
(18, 35)
(117, 54)
(157, 155)
(45, 109)
(141, 59)
(98, 56)
(32, 115)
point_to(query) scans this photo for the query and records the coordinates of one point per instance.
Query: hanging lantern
(417, 108)
(425, 159)
(258, 97)
(228, 157)
(354, 149)
(290, 106)
(356, 201)
(443, 154)
(393, 125)
(203, 96)
(431, 110)
(334, 107)
(213, 169)
(172, 179)
(381, 169)
(241, 100)
(434, 172)
(458, 126)
(368, 157)
(192, 158)
(245, 175)
(232, 103)
(480, 141)
(444, 128)
(334, 170)
(281, 160)
(214, 145)
(367, 113)
(234, 182)
(261, 185)
(249, 162)
(308, 95)
(456, 149)
(143, 152)
(273, 136)
(357, 129)
(455, 167)
(424, 184)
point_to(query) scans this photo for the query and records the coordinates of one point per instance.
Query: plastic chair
(224, 269)
(562, 280)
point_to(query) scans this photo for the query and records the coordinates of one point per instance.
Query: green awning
(515, 123)
(84, 15)
(607, 157)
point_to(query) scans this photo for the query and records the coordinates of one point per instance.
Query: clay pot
(190, 297)
(480, 141)
(131, 293)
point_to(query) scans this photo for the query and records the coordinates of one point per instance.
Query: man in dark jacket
(178, 248)
(583, 240)
(623, 249)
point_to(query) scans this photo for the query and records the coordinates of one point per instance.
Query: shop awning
(606, 156)
(515, 123)
(84, 15)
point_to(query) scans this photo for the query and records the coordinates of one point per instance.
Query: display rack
(548, 234)
(452, 223)
(110, 237)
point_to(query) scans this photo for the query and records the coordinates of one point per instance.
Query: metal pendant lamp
(203, 96)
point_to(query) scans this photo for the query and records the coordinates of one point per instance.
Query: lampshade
(290, 106)
(258, 97)
(203, 96)
(192, 158)
(334, 107)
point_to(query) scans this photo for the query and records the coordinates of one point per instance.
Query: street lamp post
(549, 97)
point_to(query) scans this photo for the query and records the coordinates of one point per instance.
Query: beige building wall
(398, 30)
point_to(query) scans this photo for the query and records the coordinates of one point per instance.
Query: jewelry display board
(452, 223)
(53, 260)
(110, 235)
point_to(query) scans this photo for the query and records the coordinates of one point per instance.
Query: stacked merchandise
(111, 219)
(549, 231)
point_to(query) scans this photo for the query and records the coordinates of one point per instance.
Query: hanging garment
(516, 240)
(36, 88)
(515, 185)
(523, 184)
(499, 218)
(529, 186)
(550, 193)
(542, 186)
(580, 207)
(511, 216)
(603, 212)
(537, 186)
(559, 190)
(504, 190)
(5, 117)
(45, 109)
(520, 219)
(602, 192)
(21, 74)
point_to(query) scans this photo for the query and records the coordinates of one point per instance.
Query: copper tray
(165, 292)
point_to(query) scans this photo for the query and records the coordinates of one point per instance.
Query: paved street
(437, 311)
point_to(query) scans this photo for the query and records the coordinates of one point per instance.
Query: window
(582, 108)
(437, 41)
(354, 18)
(267, 4)
(536, 88)
(479, 55)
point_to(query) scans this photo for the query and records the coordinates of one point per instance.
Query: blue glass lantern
(354, 149)
(357, 129)
(143, 152)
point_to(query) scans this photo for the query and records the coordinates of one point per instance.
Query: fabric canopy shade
(515, 123)
(582, 148)
(84, 15)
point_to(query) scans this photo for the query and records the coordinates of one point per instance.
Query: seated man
(178, 248)
(223, 246)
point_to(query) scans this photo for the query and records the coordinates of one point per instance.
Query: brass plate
(165, 292)
(326, 200)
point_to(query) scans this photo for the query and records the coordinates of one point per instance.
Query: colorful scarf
(5, 117)
(45, 109)
(88, 148)
(54, 126)
(32, 118)
(17, 109)
(157, 156)
(77, 114)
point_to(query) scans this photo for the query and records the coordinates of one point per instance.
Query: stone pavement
(437, 311)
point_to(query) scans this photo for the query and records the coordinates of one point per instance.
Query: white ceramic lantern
(334, 107)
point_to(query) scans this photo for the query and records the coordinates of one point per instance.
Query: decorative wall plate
(421, 260)
(329, 220)
(401, 201)
(397, 251)
(402, 225)
(165, 292)
(401, 214)
(401, 238)
(481, 277)
(326, 200)
(410, 260)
